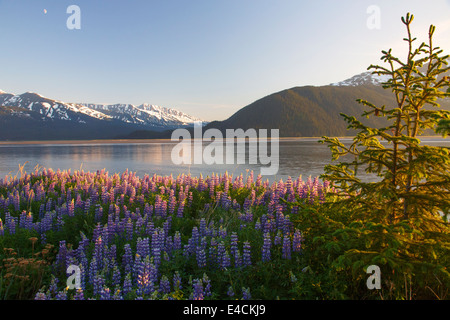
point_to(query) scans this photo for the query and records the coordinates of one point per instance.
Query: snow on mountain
(144, 114)
(363, 79)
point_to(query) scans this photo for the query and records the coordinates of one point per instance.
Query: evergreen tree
(399, 220)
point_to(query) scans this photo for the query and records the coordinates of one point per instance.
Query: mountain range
(30, 116)
(307, 111)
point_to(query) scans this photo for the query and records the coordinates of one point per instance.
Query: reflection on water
(297, 156)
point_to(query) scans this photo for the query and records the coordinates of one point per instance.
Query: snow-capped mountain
(155, 117)
(361, 79)
(143, 114)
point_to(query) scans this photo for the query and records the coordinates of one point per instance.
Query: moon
(45, 11)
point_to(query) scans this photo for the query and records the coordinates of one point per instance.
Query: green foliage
(398, 221)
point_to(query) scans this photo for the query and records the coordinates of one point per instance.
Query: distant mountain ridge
(28, 116)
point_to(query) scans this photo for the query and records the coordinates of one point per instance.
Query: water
(297, 156)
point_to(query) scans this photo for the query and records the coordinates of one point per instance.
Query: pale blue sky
(208, 58)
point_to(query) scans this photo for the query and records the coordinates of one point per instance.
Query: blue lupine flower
(105, 293)
(201, 257)
(127, 284)
(61, 295)
(225, 262)
(127, 259)
(207, 285)
(79, 295)
(177, 281)
(246, 294)
(286, 250)
(197, 293)
(98, 284)
(164, 285)
(146, 277)
(234, 243)
(297, 241)
(277, 239)
(177, 241)
(266, 247)
(40, 296)
(230, 291)
(247, 254)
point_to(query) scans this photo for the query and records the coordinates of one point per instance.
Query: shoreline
(146, 141)
(130, 141)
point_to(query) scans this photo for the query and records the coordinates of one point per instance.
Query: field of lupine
(154, 237)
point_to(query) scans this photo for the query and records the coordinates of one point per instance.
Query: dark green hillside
(307, 111)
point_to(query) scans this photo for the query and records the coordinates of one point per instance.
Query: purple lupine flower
(177, 281)
(220, 253)
(98, 284)
(197, 293)
(127, 259)
(286, 250)
(98, 252)
(181, 209)
(246, 294)
(116, 277)
(127, 284)
(93, 270)
(145, 277)
(225, 261)
(297, 241)
(234, 244)
(202, 227)
(277, 239)
(61, 295)
(258, 224)
(105, 293)
(237, 259)
(212, 252)
(143, 247)
(222, 232)
(201, 257)
(40, 296)
(87, 205)
(156, 248)
(207, 286)
(2, 232)
(164, 285)
(195, 236)
(247, 254)
(79, 295)
(172, 202)
(167, 225)
(266, 247)
(177, 241)
(230, 291)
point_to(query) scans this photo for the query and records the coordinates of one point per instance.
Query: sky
(207, 58)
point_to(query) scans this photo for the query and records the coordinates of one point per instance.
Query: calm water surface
(297, 156)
